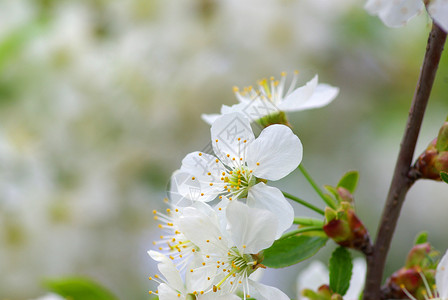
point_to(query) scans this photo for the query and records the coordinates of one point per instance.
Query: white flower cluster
(396, 13)
(222, 212)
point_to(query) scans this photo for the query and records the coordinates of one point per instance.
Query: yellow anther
(217, 160)
(216, 140)
(168, 210)
(154, 211)
(235, 89)
(283, 74)
(200, 154)
(209, 173)
(258, 163)
(191, 270)
(211, 184)
(296, 72)
(193, 178)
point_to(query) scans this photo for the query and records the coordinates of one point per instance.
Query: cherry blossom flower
(241, 166)
(269, 97)
(233, 254)
(396, 13)
(172, 287)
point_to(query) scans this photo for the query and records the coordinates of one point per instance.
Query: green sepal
(349, 181)
(340, 270)
(444, 176)
(292, 250)
(442, 138)
(421, 238)
(77, 288)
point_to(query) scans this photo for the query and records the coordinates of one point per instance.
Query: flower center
(239, 181)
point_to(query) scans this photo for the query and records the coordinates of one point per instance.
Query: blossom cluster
(223, 212)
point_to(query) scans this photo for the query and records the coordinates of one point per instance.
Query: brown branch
(403, 179)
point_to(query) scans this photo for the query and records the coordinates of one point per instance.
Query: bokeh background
(100, 100)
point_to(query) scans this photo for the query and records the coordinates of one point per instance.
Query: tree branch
(402, 179)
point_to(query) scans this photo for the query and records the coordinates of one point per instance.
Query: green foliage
(349, 181)
(292, 250)
(421, 238)
(76, 288)
(444, 176)
(340, 270)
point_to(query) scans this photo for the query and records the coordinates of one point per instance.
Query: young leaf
(349, 181)
(421, 238)
(292, 250)
(340, 270)
(76, 288)
(444, 176)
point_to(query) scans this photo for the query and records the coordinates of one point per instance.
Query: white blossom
(396, 13)
(269, 97)
(241, 166)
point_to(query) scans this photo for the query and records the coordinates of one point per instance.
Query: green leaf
(444, 176)
(421, 238)
(76, 288)
(340, 270)
(292, 250)
(349, 181)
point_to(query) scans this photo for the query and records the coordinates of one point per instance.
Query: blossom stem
(301, 230)
(304, 203)
(308, 177)
(404, 176)
(308, 222)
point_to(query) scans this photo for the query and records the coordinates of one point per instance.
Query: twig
(402, 179)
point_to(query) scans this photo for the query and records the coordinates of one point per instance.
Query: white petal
(261, 291)
(213, 296)
(196, 280)
(275, 153)
(442, 277)
(315, 275)
(202, 230)
(203, 166)
(438, 9)
(271, 198)
(299, 95)
(251, 229)
(210, 118)
(167, 293)
(322, 96)
(231, 130)
(358, 279)
(168, 270)
(395, 13)
(184, 190)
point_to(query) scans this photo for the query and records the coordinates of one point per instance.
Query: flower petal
(275, 153)
(394, 13)
(298, 96)
(231, 134)
(438, 9)
(210, 118)
(195, 281)
(261, 291)
(203, 230)
(271, 199)
(166, 292)
(168, 270)
(322, 96)
(251, 229)
(442, 277)
(184, 190)
(315, 275)
(213, 296)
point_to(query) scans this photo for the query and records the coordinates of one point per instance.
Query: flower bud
(419, 267)
(435, 158)
(323, 293)
(345, 194)
(345, 228)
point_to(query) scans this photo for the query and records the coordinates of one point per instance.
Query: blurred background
(100, 100)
